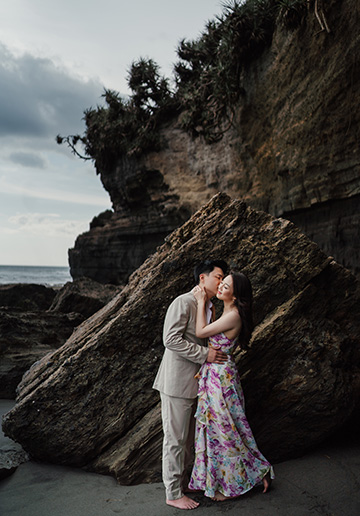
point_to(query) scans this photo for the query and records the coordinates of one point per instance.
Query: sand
(324, 482)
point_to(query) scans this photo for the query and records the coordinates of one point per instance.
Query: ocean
(50, 276)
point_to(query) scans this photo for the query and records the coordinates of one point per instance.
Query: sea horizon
(48, 275)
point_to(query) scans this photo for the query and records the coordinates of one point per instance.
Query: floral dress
(227, 458)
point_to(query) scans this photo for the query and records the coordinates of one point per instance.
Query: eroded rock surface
(83, 296)
(36, 320)
(91, 403)
(26, 296)
(26, 337)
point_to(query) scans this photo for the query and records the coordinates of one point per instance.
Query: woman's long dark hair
(243, 302)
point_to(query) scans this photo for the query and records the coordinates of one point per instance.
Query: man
(184, 353)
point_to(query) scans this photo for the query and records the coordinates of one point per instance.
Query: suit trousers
(178, 444)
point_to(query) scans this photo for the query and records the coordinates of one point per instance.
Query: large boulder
(91, 403)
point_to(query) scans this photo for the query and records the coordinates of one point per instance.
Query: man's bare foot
(267, 482)
(183, 503)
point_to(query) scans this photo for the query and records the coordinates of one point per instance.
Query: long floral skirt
(227, 458)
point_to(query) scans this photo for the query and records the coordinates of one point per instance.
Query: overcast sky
(56, 58)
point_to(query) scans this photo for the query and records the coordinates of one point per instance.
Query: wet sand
(324, 482)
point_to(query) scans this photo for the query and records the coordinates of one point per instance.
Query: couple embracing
(202, 401)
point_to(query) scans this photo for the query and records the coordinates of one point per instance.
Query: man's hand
(216, 356)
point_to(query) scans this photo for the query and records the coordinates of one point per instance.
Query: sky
(56, 58)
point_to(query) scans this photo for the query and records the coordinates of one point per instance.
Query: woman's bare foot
(183, 503)
(266, 482)
(219, 497)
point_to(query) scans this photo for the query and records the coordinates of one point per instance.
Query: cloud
(45, 225)
(66, 196)
(27, 159)
(41, 99)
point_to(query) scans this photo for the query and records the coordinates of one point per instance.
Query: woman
(227, 460)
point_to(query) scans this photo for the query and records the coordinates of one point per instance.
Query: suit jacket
(184, 352)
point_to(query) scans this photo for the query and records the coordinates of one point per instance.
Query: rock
(119, 244)
(91, 403)
(26, 296)
(11, 453)
(292, 151)
(83, 296)
(11, 456)
(26, 337)
(135, 458)
(28, 332)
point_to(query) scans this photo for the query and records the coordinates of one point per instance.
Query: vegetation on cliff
(207, 84)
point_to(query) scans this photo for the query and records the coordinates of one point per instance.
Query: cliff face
(292, 151)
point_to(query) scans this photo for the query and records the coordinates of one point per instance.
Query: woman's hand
(199, 293)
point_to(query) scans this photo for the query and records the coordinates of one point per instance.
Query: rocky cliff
(91, 403)
(292, 150)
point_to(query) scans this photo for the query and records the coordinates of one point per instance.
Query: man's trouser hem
(172, 496)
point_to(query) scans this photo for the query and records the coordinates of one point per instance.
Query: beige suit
(184, 353)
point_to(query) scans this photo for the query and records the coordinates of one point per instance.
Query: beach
(323, 482)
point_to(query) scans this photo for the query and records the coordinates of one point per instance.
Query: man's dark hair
(208, 266)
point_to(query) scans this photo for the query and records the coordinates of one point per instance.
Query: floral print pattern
(227, 458)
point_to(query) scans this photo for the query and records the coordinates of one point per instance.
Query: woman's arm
(227, 322)
(200, 315)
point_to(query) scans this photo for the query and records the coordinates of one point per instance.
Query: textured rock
(90, 404)
(26, 337)
(110, 253)
(28, 332)
(11, 456)
(144, 213)
(26, 296)
(83, 296)
(293, 152)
